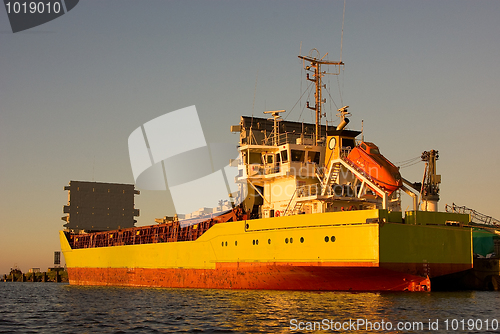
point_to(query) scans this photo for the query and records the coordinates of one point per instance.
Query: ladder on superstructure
(297, 205)
(331, 177)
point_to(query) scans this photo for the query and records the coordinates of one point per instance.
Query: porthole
(326, 239)
(333, 238)
(286, 240)
(236, 243)
(269, 241)
(291, 240)
(253, 242)
(222, 244)
(247, 226)
(301, 239)
(257, 241)
(226, 243)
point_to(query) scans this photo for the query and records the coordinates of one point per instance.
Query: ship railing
(475, 217)
(305, 192)
(257, 169)
(288, 138)
(309, 190)
(336, 190)
(298, 168)
(170, 231)
(271, 169)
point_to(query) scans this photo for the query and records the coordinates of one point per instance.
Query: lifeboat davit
(367, 158)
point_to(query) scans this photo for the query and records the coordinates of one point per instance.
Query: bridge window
(298, 155)
(349, 142)
(284, 156)
(313, 157)
(254, 158)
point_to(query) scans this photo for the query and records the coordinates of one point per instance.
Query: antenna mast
(315, 66)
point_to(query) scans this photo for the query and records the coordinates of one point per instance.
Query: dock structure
(56, 273)
(57, 276)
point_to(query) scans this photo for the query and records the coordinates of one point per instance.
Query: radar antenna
(276, 118)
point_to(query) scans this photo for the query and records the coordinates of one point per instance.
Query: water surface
(51, 307)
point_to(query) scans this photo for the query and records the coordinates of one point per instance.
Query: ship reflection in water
(42, 308)
(286, 311)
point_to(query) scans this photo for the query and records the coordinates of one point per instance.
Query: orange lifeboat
(367, 158)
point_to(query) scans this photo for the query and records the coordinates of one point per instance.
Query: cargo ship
(322, 211)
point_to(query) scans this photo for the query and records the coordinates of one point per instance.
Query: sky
(421, 75)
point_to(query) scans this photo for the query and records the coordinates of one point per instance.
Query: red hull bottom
(297, 276)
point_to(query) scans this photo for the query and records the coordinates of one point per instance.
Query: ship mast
(315, 65)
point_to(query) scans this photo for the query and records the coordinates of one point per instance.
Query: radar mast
(315, 66)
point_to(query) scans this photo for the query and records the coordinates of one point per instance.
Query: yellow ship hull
(365, 250)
